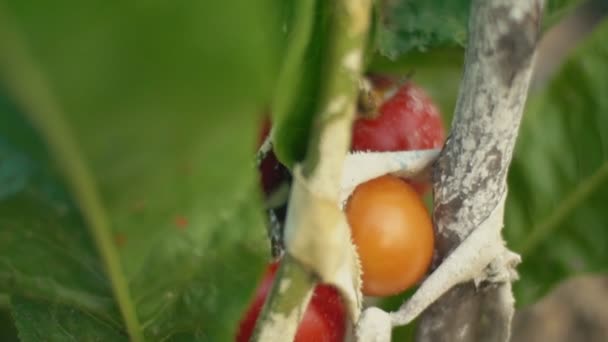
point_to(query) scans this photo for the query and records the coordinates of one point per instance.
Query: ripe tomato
(393, 233)
(408, 120)
(323, 321)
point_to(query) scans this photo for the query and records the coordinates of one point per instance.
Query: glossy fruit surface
(393, 233)
(323, 321)
(407, 120)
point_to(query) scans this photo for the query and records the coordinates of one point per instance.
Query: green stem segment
(322, 169)
(283, 311)
(28, 85)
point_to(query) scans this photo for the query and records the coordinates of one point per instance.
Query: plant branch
(470, 174)
(314, 219)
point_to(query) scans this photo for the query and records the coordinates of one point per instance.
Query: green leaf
(42, 321)
(45, 249)
(410, 25)
(44, 246)
(558, 184)
(418, 25)
(8, 331)
(150, 113)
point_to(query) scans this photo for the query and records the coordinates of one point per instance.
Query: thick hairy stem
(470, 174)
(313, 215)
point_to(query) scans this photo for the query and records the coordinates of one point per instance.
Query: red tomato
(408, 120)
(323, 321)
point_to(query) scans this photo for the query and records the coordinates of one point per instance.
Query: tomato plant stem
(470, 174)
(322, 168)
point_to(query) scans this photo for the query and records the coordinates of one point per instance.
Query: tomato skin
(406, 121)
(393, 232)
(323, 321)
(272, 173)
(409, 120)
(251, 315)
(325, 317)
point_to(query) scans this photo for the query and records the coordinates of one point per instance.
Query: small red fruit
(408, 120)
(324, 319)
(272, 173)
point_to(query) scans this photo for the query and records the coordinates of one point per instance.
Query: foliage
(148, 114)
(128, 195)
(559, 178)
(410, 25)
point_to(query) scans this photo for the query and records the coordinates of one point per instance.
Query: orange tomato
(393, 232)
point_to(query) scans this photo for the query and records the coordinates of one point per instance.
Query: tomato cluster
(390, 225)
